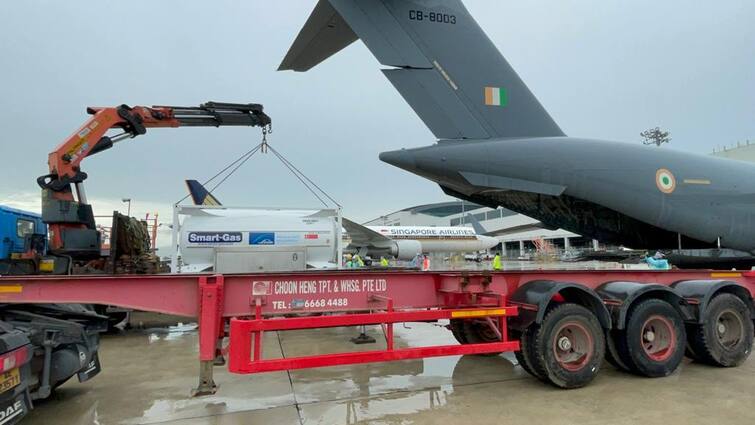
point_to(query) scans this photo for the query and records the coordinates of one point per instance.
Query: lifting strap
(263, 147)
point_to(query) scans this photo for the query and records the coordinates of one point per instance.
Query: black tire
(479, 332)
(689, 350)
(456, 326)
(472, 331)
(653, 342)
(568, 346)
(725, 337)
(524, 355)
(612, 352)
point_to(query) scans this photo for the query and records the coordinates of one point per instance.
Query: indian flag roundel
(665, 180)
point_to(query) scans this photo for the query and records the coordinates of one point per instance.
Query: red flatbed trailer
(560, 323)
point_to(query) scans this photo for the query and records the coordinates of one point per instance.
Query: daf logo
(12, 411)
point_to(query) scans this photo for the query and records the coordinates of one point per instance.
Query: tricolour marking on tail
(443, 64)
(200, 195)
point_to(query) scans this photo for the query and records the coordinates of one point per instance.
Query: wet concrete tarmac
(148, 375)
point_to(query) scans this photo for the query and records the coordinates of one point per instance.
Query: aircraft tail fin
(200, 195)
(443, 64)
(476, 225)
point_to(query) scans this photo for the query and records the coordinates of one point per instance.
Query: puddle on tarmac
(171, 332)
(337, 383)
(148, 375)
(379, 408)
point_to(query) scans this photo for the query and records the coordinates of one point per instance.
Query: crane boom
(71, 220)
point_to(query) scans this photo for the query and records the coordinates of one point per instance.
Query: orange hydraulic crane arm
(91, 137)
(71, 225)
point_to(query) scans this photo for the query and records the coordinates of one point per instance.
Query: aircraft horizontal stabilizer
(324, 34)
(446, 68)
(361, 235)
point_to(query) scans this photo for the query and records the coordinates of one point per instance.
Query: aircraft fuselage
(634, 195)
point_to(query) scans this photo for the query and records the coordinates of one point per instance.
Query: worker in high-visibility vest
(425, 263)
(383, 262)
(497, 261)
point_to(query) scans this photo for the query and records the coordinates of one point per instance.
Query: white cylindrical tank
(203, 230)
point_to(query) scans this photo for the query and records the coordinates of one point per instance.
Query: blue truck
(41, 345)
(21, 233)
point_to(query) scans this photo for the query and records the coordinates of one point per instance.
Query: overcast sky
(603, 69)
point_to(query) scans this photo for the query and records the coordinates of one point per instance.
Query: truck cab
(22, 233)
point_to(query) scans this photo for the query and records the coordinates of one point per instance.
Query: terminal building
(741, 151)
(520, 235)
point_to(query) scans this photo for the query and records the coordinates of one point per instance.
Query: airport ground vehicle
(23, 236)
(15, 354)
(41, 345)
(560, 323)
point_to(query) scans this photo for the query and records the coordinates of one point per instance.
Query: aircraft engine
(405, 250)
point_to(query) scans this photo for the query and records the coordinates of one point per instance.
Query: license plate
(9, 380)
(91, 369)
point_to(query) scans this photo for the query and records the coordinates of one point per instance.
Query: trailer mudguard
(534, 297)
(619, 296)
(698, 294)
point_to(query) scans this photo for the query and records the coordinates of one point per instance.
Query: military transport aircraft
(498, 146)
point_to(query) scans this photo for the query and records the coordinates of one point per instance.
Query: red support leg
(210, 323)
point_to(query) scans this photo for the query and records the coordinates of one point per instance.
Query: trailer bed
(502, 306)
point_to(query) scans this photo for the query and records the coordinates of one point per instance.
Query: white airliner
(402, 242)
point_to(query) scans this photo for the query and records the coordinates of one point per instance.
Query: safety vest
(497, 262)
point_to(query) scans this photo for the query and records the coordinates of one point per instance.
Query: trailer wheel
(472, 331)
(456, 326)
(568, 346)
(653, 342)
(479, 332)
(725, 337)
(524, 356)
